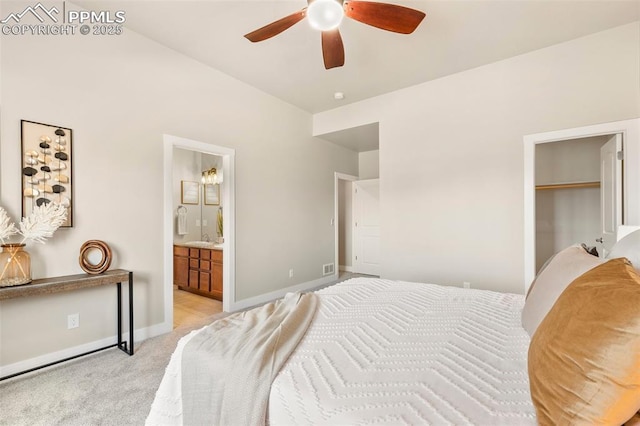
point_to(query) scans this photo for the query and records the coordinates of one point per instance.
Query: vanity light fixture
(211, 176)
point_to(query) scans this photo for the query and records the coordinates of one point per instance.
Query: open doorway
(198, 237)
(365, 141)
(199, 246)
(343, 223)
(357, 227)
(574, 204)
(627, 133)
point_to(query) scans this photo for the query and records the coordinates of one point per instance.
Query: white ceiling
(456, 35)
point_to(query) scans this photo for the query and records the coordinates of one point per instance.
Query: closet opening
(578, 194)
(580, 186)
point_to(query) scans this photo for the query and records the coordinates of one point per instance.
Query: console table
(46, 286)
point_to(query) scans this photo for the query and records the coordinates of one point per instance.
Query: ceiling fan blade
(276, 27)
(390, 17)
(332, 49)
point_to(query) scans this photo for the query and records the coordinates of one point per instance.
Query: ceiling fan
(326, 16)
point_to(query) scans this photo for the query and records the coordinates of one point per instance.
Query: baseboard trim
(346, 268)
(268, 297)
(140, 335)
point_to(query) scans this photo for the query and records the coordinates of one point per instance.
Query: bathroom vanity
(198, 270)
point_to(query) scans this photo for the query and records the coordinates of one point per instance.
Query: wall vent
(328, 269)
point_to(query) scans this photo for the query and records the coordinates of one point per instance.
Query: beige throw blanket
(227, 369)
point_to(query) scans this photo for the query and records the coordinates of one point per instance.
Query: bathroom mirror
(199, 221)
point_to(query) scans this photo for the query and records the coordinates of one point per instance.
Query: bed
(389, 352)
(375, 351)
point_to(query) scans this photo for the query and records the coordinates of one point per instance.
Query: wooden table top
(65, 283)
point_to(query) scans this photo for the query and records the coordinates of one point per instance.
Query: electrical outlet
(290, 273)
(204, 222)
(466, 284)
(198, 223)
(73, 321)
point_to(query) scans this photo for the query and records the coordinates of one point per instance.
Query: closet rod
(569, 185)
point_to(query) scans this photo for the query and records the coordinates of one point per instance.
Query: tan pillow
(584, 359)
(544, 266)
(565, 267)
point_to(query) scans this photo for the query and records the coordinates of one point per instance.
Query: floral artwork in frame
(212, 194)
(47, 172)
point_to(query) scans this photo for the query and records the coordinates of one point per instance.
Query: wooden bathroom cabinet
(198, 270)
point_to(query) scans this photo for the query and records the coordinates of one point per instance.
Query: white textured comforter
(389, 352)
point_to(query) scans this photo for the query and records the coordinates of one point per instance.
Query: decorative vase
(15, 265)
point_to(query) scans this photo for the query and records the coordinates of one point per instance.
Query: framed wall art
(190, 192)
(47, 172)
(212, 194)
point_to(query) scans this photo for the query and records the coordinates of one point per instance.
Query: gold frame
(189, 192)
(215, 194)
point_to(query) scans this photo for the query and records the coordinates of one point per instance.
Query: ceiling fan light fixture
(325, 15)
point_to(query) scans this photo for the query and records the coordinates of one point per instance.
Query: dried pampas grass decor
(43, 221)
(7, 228)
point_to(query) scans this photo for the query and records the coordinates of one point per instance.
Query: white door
(366, 227)
(610, 192)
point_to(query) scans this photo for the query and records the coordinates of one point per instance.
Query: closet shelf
(569, 185)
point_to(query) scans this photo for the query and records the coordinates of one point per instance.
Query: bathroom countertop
(200, 244)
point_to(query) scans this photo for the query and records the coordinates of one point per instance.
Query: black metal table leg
(119, 321)
(126, 347)
(130, 352)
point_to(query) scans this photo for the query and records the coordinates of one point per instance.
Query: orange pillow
(584, 358)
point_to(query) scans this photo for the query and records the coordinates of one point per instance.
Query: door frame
(228, 226)
(608, 236)
(336, 214)
(630, 130)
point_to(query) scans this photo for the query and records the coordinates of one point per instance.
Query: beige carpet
(107, 388)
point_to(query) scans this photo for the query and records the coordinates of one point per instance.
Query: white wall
(451, 153)
(369, 164)
(120, 94)
(575, 160)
